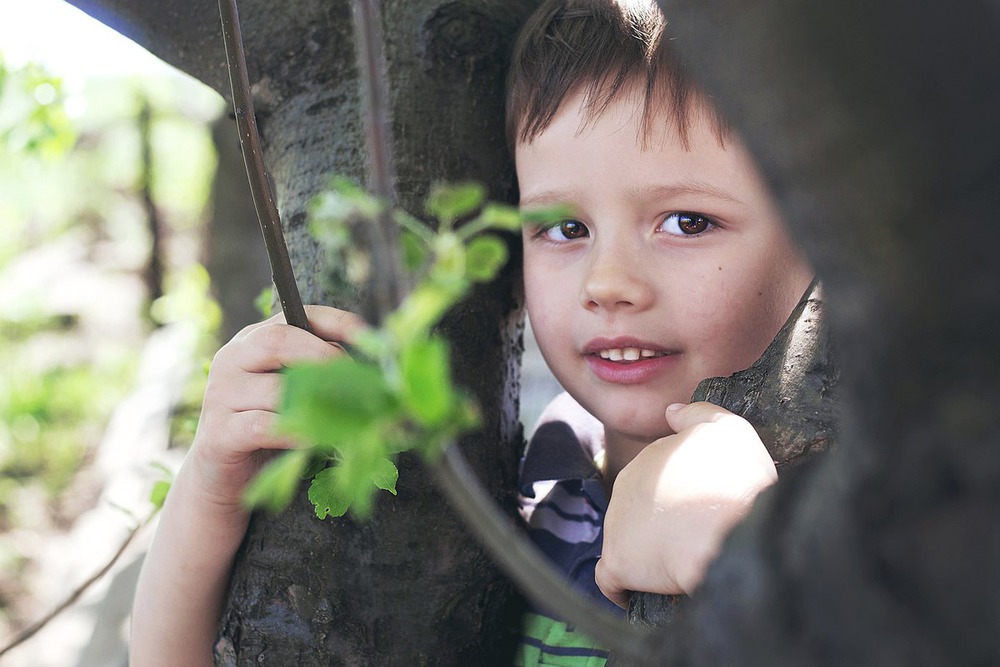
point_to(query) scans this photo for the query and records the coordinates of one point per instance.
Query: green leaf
(360, 470)
(334, 402)
(421, 310)
(159, 493)
(484, 257)
(263, 302)
(326, 495)
(500, 216)
(316, 465)
(415, 251)
(449, 262)
(276, 483)
(373, 344)
(385, 476)
(414, 225)
(449, 202)
(547, 215)
(332, 209)
(426, 374)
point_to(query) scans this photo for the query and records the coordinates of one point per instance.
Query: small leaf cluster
(394, 392)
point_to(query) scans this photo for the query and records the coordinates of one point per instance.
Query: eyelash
(683, 217)
(698, 219)
(543, 232)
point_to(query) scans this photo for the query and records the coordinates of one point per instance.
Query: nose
(616, 280)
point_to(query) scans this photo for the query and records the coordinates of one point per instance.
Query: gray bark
(410, 587)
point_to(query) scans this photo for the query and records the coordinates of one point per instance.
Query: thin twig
(523, 563)
(32, 629)
(504, 543)
(153, 271)
(253, 156)
(385, 287)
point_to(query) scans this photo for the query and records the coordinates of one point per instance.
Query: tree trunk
(410, 587)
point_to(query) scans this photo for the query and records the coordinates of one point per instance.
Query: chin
(635, 429)
(641, 417)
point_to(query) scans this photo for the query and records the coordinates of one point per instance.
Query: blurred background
(128, 250)
(119, 179)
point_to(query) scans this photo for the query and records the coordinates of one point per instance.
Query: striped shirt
(563, 504)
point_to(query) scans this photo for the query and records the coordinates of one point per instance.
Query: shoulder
(565, 443)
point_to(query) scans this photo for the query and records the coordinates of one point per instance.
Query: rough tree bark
(410, 587)
(876, 125)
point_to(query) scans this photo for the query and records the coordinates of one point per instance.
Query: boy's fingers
(276, 346)
(257, 429)
(682, 416)
(333, 324)
(252, 391)
(609, 584)
(329, 323)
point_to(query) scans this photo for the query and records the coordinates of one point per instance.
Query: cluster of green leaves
(33, 117)
(395, 392)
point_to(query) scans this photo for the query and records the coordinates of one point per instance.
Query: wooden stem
(385, 287)
(253, 156)
(522, 562)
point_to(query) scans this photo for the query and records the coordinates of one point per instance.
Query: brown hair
(601, 47)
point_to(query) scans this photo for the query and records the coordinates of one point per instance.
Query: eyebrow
(548, 197)
(696, 188)
(671, 191)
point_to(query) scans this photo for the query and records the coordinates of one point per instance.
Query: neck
(619, 450)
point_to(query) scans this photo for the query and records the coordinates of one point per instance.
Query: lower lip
(635, 372)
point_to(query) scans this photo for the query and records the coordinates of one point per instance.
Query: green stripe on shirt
(546, 641)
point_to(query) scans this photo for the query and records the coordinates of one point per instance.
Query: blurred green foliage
(73, 244)
(395, 392)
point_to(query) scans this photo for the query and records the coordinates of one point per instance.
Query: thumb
(682, 416)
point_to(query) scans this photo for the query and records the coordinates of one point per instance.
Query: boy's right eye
(567, 230)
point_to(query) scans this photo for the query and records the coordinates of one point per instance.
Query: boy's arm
(674, 504)
(182, 586)
(178, 603)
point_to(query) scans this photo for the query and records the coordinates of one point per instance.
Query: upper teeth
(627, 353)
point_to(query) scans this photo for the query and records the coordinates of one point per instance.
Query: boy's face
(675, 268)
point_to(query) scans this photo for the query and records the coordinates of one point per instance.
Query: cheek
(542, 300)
(534, 294)
(733, 315)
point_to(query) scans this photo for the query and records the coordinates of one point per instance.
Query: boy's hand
(673, 505)
(238, 416)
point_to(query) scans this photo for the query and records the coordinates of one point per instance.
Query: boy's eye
(686, 224)
(566, 230)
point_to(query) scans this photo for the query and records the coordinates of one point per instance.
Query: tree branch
(33, 629)
(522, 563)
(253, 156)
(508, 547)
(386, 288)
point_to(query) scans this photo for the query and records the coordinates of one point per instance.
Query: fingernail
(674, 407)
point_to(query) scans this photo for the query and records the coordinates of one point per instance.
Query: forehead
(582, 152)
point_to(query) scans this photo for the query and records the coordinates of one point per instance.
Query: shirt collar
(564, 446)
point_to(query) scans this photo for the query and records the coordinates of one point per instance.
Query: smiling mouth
(629, 355)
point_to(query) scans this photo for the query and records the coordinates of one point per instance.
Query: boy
(675, 268)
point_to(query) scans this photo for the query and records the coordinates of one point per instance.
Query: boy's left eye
(685, 224)
(567, 230)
